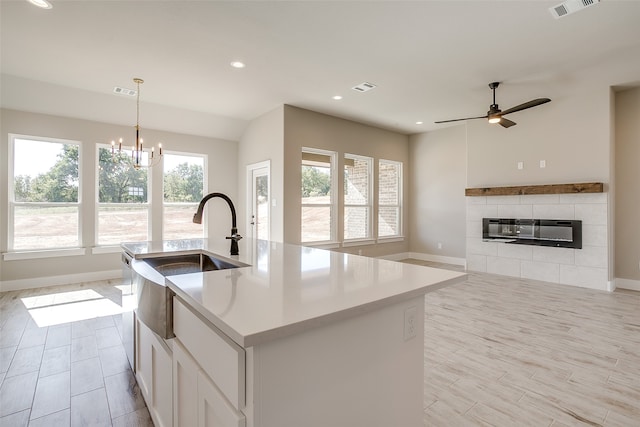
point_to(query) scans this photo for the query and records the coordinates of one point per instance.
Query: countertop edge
(252, 340)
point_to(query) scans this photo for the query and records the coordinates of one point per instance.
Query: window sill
(53, 253)
(390, 239)
(358, 242)
(106, 250)
(321, 245)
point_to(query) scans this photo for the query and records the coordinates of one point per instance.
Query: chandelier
(139, 158)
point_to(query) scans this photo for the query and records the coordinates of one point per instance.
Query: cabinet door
(143, 359)
(185, 383)
(153, 373)
(162, 384)
(213, 409)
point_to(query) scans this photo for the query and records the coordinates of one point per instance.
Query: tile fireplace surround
(587, 267)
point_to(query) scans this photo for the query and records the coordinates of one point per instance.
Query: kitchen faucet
(197, 218)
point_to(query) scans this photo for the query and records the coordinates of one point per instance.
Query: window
(357, 197)
(44, 188)
(123, 204)
(318, 201)
(389, 198)
(183, 189)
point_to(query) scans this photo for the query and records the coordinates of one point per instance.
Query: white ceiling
(431, 60)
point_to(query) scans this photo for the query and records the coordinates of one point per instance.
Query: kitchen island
(294, 336)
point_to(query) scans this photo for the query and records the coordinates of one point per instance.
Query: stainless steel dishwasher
(128, 313)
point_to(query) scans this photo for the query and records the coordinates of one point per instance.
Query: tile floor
(499, 351)
(66, 374)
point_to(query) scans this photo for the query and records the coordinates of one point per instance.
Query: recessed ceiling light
(419, 123)
(41, 3)
(238, 64)
(337, 97)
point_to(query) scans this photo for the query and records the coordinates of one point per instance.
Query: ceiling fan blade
(467, 118)
(506, 123)
(530, 104)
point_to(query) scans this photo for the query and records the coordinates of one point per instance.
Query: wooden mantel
(588, 187)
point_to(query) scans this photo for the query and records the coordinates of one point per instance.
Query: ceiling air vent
(570, 6)
(363, 87)
(124, 91)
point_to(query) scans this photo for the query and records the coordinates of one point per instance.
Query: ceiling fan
(495, 115)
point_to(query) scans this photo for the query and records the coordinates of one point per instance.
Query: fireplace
(538, 232)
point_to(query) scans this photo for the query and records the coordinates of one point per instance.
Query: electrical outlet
(543, 164)
(520, 165)
(410, 319)
(439, 245)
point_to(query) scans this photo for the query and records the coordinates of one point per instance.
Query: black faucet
(197, 218)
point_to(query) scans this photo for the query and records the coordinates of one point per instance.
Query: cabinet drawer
(218, 356)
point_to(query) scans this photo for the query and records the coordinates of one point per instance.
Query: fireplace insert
(539, 232)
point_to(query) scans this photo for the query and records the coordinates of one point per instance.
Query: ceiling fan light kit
(495, 115)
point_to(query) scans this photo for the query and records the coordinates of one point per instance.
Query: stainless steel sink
(154, 298)
(184, 264)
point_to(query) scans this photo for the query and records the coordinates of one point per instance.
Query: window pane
(122, 224)
(183, 178)
(388, 221)
(316, 184)
(356, 222)
(45, 171)
(316, 223)
(389, 175)
(38, 227)
(356, 181)
(118, 181)
(178, 222)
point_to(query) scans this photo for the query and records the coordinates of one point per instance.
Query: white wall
(263, 140)
(571, 133)
(627, 178)
(222, 160)
(437, 173)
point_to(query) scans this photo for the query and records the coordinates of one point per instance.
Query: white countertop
(288, 288)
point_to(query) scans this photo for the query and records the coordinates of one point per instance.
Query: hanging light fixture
(137, 152)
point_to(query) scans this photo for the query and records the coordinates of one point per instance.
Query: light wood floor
(503, 351)
(68, 374)
(498, 352)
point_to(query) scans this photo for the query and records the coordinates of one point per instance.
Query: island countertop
(287, 289)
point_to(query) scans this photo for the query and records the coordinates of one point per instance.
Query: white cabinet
(196, 399)
(222, 359)
(213, 408)
(153, 371)
(208, 374)
(185, 383)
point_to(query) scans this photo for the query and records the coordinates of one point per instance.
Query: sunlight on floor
(64, 307)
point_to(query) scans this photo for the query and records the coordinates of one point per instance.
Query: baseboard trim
(66, 279)
(426, 257)
(396, 257)
(629, 284)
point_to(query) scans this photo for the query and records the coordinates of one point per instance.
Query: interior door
(258, 207)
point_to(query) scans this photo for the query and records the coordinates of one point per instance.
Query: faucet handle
(234, 237)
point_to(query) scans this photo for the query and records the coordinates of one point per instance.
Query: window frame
(104, 248)
(369, 205)
(205, 190)
(12, 203)
(400, 235)
(333, 200)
